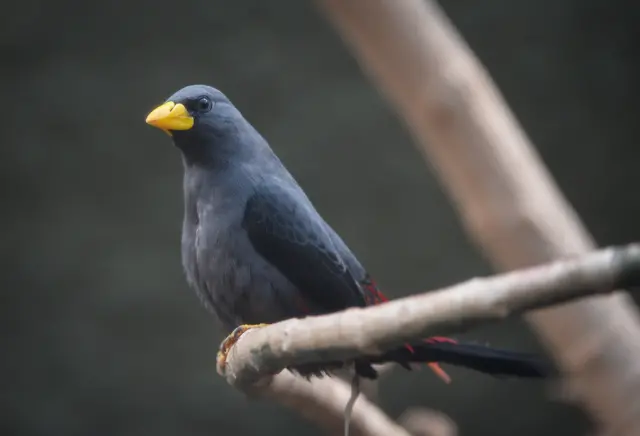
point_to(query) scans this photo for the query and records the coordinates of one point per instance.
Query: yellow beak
(170, 116)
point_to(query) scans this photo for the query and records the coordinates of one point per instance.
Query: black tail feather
(492, 361)
(477, 357)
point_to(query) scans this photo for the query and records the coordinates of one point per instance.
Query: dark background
(101, 336)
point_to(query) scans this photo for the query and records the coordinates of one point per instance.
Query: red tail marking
(435, 367)
(374, 296)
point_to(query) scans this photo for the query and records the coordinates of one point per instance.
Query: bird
(256, 251)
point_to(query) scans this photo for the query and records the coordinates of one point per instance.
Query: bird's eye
(203, 104)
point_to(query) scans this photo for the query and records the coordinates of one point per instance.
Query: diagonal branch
(373, 330)
(322, 400)
(504, 195)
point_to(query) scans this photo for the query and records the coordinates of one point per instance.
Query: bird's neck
(214, 150)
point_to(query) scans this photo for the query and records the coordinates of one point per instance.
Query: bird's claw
(229, 342)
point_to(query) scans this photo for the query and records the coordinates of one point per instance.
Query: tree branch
(425, 422)
(373, 330)
(508, 202)
(322, 400)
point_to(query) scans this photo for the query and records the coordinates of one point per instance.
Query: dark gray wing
(290, 235)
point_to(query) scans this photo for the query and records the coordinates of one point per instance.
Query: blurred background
(101, 335)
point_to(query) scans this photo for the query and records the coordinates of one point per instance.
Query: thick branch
(424, 422)
(323, 401)
(356, 332)
(506, 198)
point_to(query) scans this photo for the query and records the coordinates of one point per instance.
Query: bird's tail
(477, 357)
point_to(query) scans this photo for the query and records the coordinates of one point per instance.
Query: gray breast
(230, 277)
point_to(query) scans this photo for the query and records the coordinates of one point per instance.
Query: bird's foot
(230, 341)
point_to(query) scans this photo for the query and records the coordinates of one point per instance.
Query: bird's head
(200, 119)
